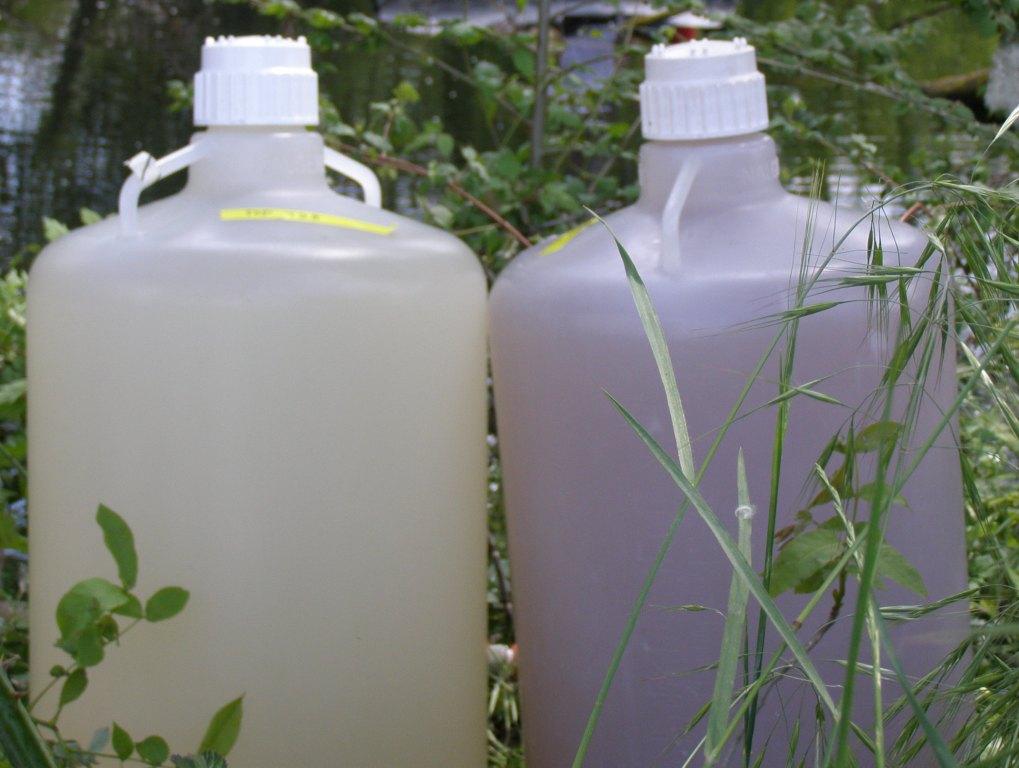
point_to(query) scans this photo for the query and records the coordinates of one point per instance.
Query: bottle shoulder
(278, 229)
(734, 266)
(766, 237)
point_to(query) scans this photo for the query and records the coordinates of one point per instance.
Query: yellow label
(563, 240)
(302, 217)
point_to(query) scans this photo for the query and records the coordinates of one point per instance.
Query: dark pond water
(83, 87)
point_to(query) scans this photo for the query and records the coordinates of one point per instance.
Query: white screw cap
(704, 89)
(256, 80)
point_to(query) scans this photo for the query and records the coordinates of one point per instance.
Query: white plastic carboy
(282, 391)
(718, 242)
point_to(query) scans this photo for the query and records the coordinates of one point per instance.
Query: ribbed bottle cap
(256, 80)
(704, 89)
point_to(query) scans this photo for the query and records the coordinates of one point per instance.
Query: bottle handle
(357, 172)
(147, 170)
(670, 261)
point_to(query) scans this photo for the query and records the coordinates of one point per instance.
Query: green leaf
(892, 564)
(406, 93)
(803, 557)
(153, 750)
(88, 648)
(123, 744)
(464, 33)
(120, 541)
(225, 726)
(83, 618)
(871, 437)
(88, 216)
(444, 143)
(85, 603)
(12, 391)
(280, 8)
(523, 60)
(53, 229)
(10, 536)
(439, 213)
(132, 608)
(105, 593)
(73, 687)
(166, 603)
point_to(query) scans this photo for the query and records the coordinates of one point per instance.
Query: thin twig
(408, 166)
(914, 209)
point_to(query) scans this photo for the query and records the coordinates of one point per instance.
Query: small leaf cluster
(88, 614)
(88, 618)
(810, 549)
(152, 749)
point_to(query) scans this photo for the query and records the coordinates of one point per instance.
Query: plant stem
(49, 686)
(407, 166)
(20, 740)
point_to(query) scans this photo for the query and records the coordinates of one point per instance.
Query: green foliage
(120, 541)
(87, 621)
(123, 744)
(166, 603)
(224, 728)
(487, 191)
(153, 750)
(802, 564)
(204, 760)
(13, 405)
(53, 229)
(734, 636)
(74, 686)
(20, 740)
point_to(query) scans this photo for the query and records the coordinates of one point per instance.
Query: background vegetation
(511, 179)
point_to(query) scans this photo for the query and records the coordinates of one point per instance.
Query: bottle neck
(239, 159)
(730, 171)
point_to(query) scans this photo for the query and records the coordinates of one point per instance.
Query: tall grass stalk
(921, 341)
(735, 624)
(649, 315)
(781, 425)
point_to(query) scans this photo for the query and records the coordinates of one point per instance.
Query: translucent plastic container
(282, 390)
(718, 243)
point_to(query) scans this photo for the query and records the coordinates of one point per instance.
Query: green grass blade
(805, 282)
(735, 623)
(748, 695)
(735, 557)
(839, 754)
(938, 746)
(663, 549)
(947, 414)
(20, 740)
(628, 629)
(851, 539)
(660, 349)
